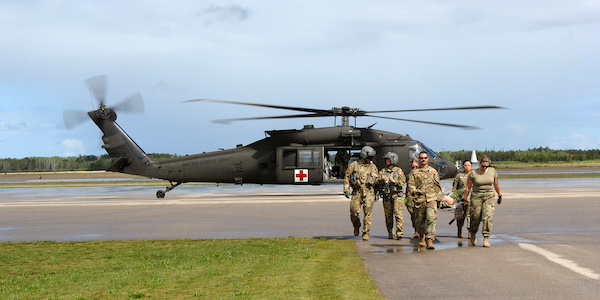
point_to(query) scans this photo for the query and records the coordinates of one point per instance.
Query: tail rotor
(97, 86)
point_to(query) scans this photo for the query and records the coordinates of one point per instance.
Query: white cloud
(537, 58)
(575, 141)
(73, 147)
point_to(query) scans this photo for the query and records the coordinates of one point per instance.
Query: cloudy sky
(537, 58)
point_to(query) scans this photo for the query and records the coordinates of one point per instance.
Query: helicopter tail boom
(127, 155)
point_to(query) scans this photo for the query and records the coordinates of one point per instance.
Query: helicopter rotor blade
(439, 109)
(227, 121)
(73, 118)
(427, 122)
(131, 104)
(345, 111)
(311, 110)
(97, 86)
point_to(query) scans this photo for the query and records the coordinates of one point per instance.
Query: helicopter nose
(445, 169)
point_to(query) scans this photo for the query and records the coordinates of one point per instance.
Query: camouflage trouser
(460, 214)
(392, 208)
(426, 218)
(366, 199)
(481, 209)
(410, 206)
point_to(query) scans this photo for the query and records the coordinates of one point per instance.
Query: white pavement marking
(553, 257)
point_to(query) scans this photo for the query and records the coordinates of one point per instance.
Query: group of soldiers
(422, 194)
(364, 183)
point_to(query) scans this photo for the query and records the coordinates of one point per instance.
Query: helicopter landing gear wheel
(161, 193)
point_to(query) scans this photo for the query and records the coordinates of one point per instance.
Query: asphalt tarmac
(545, 240)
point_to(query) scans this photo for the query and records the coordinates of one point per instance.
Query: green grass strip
(290, 268)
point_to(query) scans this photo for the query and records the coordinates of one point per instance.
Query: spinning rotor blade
(311, 110)
(72, 118)
(131, 104)
(426, 122)
(97, 86)
(227, 121)
(344, 112)
(438, 109)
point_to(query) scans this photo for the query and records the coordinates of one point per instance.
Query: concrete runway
(545, 238)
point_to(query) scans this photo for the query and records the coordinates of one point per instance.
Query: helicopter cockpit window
(309, 158)
(417, 147)
(289, 158)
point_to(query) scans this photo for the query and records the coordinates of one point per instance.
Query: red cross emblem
(301, 175)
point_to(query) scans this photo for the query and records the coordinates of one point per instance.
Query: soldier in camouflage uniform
(424, 186)
(481, 184)
(362, 176)
(391, 188)
(458, 191)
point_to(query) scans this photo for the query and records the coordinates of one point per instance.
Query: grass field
(290, 268)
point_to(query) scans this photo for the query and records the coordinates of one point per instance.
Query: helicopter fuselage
(294, 156)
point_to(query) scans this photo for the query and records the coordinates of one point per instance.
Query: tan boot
(422, 241)
(430, 244)
(365, 237)
(472, 239)
(416, 235)
(486, 242)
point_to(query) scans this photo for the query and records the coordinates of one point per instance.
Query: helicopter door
(300, 164)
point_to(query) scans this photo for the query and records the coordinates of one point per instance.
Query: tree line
(55, 163)
(535, 155)
(102, 162)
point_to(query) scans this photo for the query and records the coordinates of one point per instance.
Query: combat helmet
(392, 156)
(367, 151)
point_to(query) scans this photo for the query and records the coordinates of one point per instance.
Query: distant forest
(94, 163)
(536, 155)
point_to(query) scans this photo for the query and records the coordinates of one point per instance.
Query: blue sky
(537, 58)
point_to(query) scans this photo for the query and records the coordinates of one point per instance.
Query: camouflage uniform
(481, 205)
(393, 199)
(410, 206)
(341, 160)
(424, 186)
(362, 177)
(458, 191)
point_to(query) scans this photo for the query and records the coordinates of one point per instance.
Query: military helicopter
(291, 156)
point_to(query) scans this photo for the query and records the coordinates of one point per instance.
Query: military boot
(459, 234)
(398, 235)
(416, 235)
(430, 244)
(356, 231)
(422, 241)
(365, 237)
(486, 242)
(472, 239)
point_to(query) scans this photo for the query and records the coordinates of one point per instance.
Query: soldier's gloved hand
(500, 199)
(347, 193)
